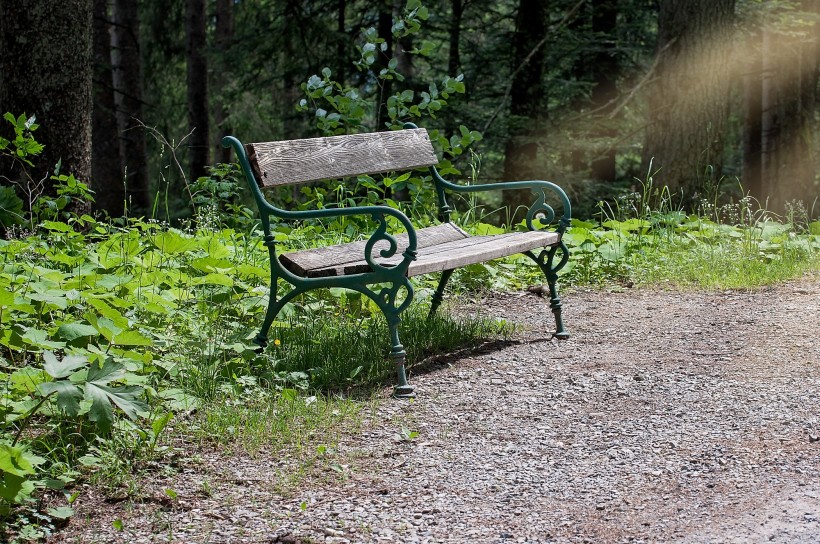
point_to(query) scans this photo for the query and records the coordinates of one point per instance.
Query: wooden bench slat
(313, 159)
(433, 257)
(332, 260)
(480, 249)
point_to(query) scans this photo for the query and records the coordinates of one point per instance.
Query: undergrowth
(113, 332)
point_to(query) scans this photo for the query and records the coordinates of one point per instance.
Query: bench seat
(441, 247)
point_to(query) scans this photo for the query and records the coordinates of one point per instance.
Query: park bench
(380, 267)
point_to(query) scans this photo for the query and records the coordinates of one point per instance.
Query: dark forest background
(705, 97)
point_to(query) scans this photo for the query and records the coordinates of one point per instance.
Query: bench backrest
(313, 159)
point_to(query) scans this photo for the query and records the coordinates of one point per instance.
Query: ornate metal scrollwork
(379, 235)
(540, 210)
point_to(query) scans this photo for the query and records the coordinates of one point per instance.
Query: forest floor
(668, 416)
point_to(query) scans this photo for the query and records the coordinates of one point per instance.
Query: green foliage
(218, 196)
(15, 155)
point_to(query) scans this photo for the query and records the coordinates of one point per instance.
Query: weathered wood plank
(313, 159)
(479, 249)
(444, 255)
(332, 260)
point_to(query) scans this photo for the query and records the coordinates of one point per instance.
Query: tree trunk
(752, 118)
(106, 168)
(689, 100)
(127, 72)
(454, 59)
(341, 42)
(604, 71)
(385, 29)
(788, 106)
(526, 99)
(197, 80)
(224, 36)
(46, 65)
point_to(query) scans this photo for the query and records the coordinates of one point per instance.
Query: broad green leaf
(68, 395)
(248, 270)
(72, 331)
(111, 281)
(174, 242)
(212, 264)
(56, 226)
(484, 229)
(611, 252)
(14, 460)
(105, 326)
(125, 397)
(179, 401)
(61, 512)
(101, 411)
(15, 489)
(6, 297)
(131, 338)
(57, 300)
(105, 373)
(26, 379)
(630, 225)
(159, 424)
(772, 229)
(39, 339)
(107, 311)
(214, 279)
(62, 369)
(814, 227)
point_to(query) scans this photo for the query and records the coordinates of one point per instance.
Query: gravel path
(669, 416)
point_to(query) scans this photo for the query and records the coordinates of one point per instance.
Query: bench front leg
(387, 301)
(546, 262)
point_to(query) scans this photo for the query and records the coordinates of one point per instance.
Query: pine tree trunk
(106, 168)
(127, 73)
(689, 100)
(752, 119)
(341, 42)
(605, 70)
(789, 98)
(46, 65)
(385, 29)
(526, 99)
(224, 36)
(197, 80)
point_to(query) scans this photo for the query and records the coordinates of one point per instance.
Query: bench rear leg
(274, 307)
(438, 296)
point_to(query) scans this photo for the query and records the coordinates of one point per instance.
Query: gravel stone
(668, 416)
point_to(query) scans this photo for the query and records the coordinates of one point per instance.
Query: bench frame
(393, 280)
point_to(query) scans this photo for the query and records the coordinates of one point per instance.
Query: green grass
(332, 351)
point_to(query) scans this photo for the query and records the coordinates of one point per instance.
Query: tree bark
(689, 100)
(223, 37)
(341, 42)
(788, 108)
(604, 71)
(127, 72)
(197, 81)
(46, 65)
(526, 99)
(106, 168)
(752, 118)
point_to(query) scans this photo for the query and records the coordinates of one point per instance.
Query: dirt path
(668, 416)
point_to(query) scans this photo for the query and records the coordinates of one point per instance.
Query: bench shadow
(437, 362)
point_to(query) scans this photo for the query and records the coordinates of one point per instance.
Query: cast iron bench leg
(438, 296)
(545, 261)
